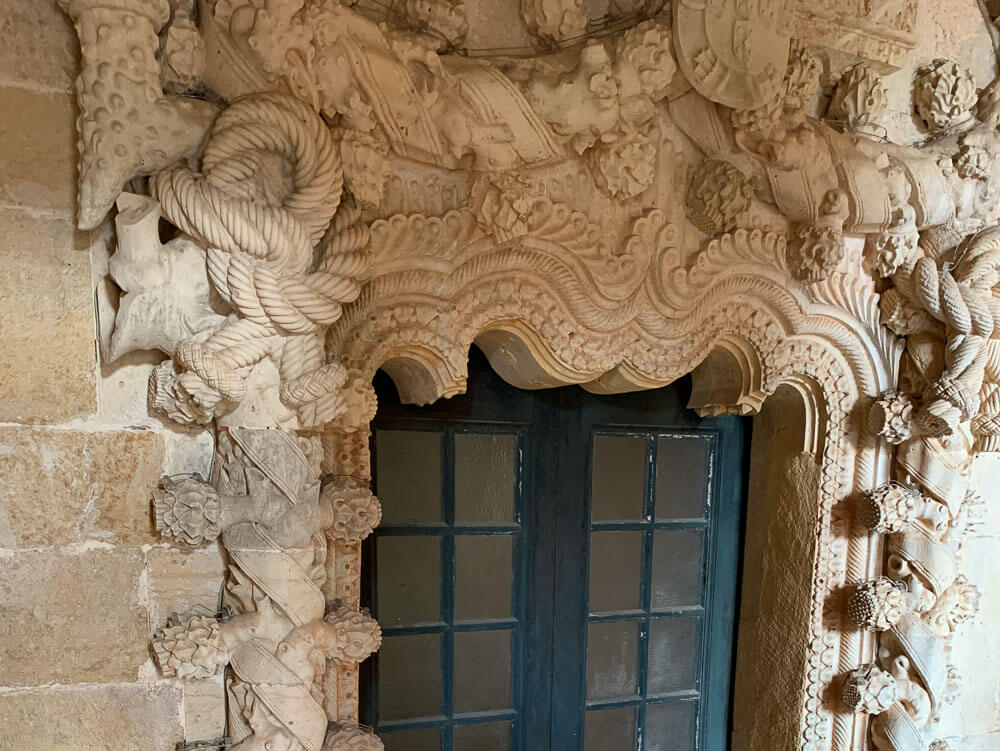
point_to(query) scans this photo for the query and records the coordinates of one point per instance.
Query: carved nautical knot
(960, 296)
(271, 182)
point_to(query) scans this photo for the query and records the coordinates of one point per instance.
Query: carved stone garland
(577, 239)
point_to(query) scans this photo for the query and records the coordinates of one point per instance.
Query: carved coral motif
(127, 127)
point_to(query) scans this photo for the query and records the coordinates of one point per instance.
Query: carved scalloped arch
(538, 311)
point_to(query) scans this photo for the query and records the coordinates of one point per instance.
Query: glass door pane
(649, 521)
(555, 571)
(446, 564)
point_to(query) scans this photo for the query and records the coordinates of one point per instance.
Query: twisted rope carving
(271, 183)
(963, 299)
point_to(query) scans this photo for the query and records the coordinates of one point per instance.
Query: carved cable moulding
(362, 198)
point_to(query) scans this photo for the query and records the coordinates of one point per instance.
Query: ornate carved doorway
(554, 570)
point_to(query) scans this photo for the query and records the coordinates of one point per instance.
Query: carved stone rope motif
(592, 217)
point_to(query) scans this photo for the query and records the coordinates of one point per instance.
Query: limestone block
(63, 486)
(975, 743)
(47, 338)
(91, 718)
(986, 479)
(180, 580)
(978, 709)
(39, 44)
(204, 709)
(37, 149)
(71, 618)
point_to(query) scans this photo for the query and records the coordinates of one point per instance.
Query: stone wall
(973, 722)
(83, 577)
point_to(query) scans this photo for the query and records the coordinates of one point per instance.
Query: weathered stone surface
(39, 46)
(37, 149)
(91, 718)
(47, 310)
(978, 711)
(180, 580)
(975, 743)
(71, 618)
(63, 486)
(204, 709)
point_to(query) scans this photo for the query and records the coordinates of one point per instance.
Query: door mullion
(448, 586)
(571, 506)
(646, 586)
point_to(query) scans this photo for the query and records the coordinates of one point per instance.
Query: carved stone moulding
(881, 32)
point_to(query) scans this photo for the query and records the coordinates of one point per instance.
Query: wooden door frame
(564, 423)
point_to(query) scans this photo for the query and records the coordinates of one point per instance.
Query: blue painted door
(555, 571)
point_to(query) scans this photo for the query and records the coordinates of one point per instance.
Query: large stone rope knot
(271, 182)
(961, 297)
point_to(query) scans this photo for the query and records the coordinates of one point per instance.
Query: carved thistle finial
(945, 95)
(889, 508)
(891, 416)
(870, 690)
(878, 605)
(187, 509)
(717, 195)
(860, 100)
(190, 647)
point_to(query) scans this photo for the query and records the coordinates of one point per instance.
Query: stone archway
(364, 199)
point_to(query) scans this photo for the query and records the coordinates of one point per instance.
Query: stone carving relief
(881, 31)
(650, 201)
(859, 101)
